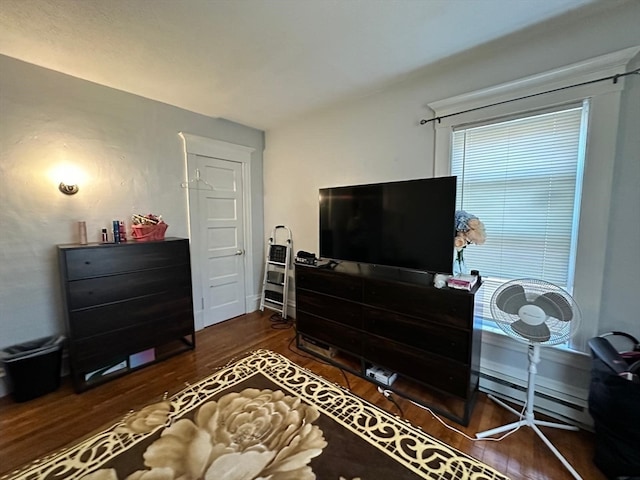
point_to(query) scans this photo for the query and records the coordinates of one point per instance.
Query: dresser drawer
(119, 316)
(331, 308)
(96, 352)
(440, 306)
(339, 336)
(438, 372)
(419, 333)
(329, 282)
(97, 291)
(112, 259)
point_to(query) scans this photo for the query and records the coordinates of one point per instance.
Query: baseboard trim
(564, 406)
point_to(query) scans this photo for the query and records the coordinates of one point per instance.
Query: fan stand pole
(529, 417)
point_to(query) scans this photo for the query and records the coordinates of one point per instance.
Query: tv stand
(359, 316)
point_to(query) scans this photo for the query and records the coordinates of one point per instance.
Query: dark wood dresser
(360, 316)
(126, 305)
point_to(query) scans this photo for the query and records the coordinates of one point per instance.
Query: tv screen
(408, 224)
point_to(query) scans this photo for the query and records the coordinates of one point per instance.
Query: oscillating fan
(537, 313)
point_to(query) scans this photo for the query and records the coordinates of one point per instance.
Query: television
(407, 224)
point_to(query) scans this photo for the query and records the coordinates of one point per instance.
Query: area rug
(261, 417)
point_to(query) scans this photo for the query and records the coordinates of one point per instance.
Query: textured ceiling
(256, 62)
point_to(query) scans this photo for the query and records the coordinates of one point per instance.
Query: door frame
(194, 146)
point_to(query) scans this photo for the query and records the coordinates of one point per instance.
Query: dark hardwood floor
(31, 429)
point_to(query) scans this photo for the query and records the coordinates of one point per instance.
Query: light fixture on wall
(68, 189)
(69, 177)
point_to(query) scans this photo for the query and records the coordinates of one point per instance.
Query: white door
(222, 250)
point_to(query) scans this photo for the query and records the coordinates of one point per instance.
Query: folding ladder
(275, 284)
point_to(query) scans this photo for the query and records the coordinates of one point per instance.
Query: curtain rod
(603, 79)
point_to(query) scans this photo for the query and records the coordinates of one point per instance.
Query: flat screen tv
(407, 224)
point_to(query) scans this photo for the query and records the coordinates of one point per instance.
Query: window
(500, 130)
(522, 177)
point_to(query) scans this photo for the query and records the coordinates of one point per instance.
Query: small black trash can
(33, 368)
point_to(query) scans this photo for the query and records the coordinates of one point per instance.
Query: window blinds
(522, 177)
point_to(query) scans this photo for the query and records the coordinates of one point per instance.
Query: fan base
(530, 421)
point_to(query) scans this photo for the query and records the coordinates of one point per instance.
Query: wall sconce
(68, 189)
(69, 177)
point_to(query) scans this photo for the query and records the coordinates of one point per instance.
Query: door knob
(239, 252)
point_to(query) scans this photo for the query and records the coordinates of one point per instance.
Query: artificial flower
(469, 229)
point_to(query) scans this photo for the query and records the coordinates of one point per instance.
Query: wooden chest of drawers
(126, 305)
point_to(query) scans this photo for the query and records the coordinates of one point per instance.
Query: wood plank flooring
(32, 429)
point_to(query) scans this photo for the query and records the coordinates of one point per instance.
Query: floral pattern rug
(262, 417)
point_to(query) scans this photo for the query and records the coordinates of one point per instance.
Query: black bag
(614, 404)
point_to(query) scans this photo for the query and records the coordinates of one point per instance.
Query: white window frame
(599, 160)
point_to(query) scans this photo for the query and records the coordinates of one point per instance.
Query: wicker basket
(149, 233)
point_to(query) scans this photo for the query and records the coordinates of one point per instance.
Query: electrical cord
(388, 395)
(285, 323)
(280, 323)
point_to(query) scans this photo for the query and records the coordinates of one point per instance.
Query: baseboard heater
(558, 405)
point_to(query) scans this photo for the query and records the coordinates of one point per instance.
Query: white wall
(378, 138)
(133, 162)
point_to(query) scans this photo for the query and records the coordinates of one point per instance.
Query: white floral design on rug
(252, 434)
